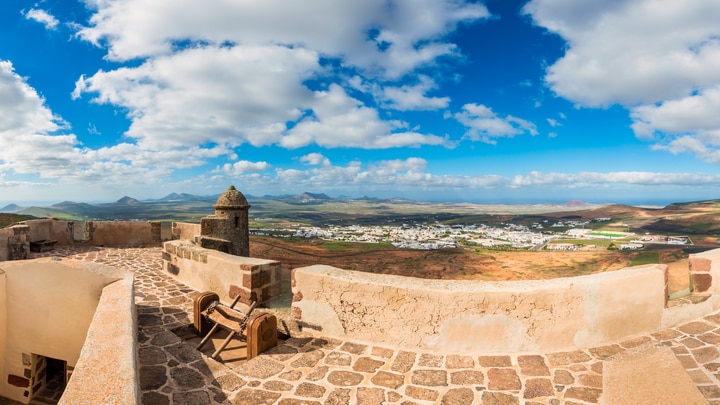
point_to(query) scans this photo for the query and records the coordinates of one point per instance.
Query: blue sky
(495, 101)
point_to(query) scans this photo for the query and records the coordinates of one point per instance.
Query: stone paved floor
(329, 371)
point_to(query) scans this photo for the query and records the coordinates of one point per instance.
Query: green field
(645, 258)
(594, 242)
(606, 234)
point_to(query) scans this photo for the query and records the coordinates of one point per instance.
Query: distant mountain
(693, 204)
(312, 196)
(127, 201)
(75, 209)
(366, 198)
(70, 204)
(11, 208)
(50, 212)
(307, 198)
(184, 197)
(576, 203)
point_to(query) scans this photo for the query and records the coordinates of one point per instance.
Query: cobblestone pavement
(328, 371)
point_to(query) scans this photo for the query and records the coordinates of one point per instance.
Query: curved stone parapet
(479, 316)
(107, 370)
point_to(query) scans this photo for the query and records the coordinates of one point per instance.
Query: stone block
(495, 361)
(421, 393)
(533, 365)
(502, 379)
(700, 264)
(247, 281)
(172, 269)
(701, 282)
(246, 297)
(18, 381)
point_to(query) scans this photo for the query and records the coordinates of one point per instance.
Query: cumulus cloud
(485, 125)
(413, 97)
(35, 141)
(228, 95)
(631, 52)
(697, 113)
(230, 73)
(411, 174)
(339, 120)
(659, 58)
(389, 39)
(243, 167)
(28, 130)
(42, 17)
(590, 179)
(315, 159)
(22, 110)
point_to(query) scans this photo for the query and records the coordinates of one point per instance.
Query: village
(507, 235)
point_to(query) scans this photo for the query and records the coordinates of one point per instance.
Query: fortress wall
(53, 311)
(225, 274)
(107, 371)
(476, 316)
(184, 230)
(14, 243)
(51, 229)
(5, 233)
(124, 233)
(3, 319)
(705, 272)
(705, 284)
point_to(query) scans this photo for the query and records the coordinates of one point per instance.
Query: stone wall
(476, 316)
(15, 240)
(107, 370)
(705, 273)
(3, 321)
(14, 243)
(79, 313)
(51, 229)
(225, 274)
(184, 230)
(123, 233)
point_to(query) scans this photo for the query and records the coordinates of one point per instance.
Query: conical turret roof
(231, 199)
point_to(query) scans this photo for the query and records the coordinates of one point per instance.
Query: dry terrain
(461, 264)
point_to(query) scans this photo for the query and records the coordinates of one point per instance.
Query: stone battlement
(503, 317)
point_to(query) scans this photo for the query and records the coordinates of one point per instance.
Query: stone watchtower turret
(227, 230)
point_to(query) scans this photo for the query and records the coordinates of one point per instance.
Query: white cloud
(243, 167)
(229, 73)
(391, 39)
(27, 130)
(634, 178)
(698, 113)
(339, 120)
(42, 17)
(485, 125)
(413, 97)
(553, 122)
(685, 125)
(659, 58)
(411, 175)
(631, 52)
(22, 110)
(229, 95)
(36, 142)
(315, 159)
